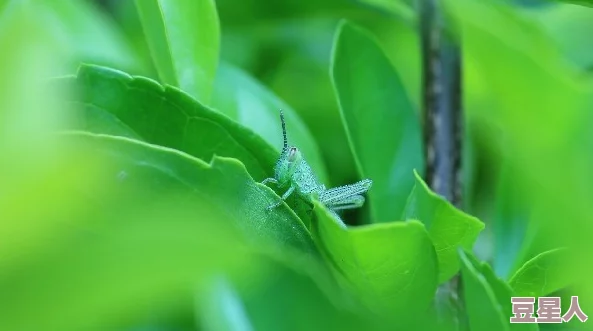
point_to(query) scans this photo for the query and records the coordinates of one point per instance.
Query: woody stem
(443, 124)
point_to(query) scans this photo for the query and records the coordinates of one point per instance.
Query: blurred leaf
(569, 26)
(384, 130)
(224, 309)
(116, 266)
(448, 227)
(128, 18)
(125, 231)
(544, 129)
(496, 52)
(487, 298)
(542, 275)
(587, 3)
(113, 102)
(184, 38)
(510, 223)
(89, 33)
(397, 8)
(242, 98)
(256, 12)
(81, 31)
(304, 296)
(392, 266)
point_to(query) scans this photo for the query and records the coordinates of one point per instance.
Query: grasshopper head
(287, 164)
(289, 160)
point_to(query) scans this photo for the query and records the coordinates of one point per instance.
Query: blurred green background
(104, 261)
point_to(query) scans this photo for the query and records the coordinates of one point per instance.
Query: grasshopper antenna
(283, 130)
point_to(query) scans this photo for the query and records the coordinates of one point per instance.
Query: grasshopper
(292, 171)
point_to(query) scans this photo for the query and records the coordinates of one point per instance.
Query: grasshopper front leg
(284, 197)
(270, 180)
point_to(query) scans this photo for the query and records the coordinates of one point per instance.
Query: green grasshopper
(292, 171)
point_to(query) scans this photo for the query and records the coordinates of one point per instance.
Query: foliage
(133, 139)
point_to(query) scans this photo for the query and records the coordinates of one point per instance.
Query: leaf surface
(448, 227)
(113, 102)
(382, 125)
(184, 39)
(542, 275)
(392, 266)
(487, 297)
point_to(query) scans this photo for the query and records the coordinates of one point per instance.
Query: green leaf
(184, 38)
(310, 305)
(123, 228)
(487, 298)
(483, 309)
(398, 8)
(448, 227)
(569, 27)
(392, 266)
(89, 34)
(511, 222)
(224, 183)
(113, 102)
(586, 3)
(383, 128)
(73, 31)
(105, 259)
(544, 274)
(223, 308)
(244, 99)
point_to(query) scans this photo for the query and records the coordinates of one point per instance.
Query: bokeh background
(528, 152)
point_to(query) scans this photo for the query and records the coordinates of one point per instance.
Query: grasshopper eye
(292, 154)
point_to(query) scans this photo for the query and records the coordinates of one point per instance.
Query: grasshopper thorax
(287, 164)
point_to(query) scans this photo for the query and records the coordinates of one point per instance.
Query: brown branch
(443, 130)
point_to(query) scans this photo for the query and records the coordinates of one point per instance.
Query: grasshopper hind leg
(351, 202)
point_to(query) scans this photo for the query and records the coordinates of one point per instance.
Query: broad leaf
(392, 266)
(486, 297)
(121, 227)
(264, 305)
(510, 223)
(224, 183)
(88, 33)
(383, 127)
(69, 32)
(184, 38)
(586, 3)
(223, 308)
(244, 99)
(399, 8)
(483, 309)
(105, 259)
(542, 275)
(113, 102)
(448, 227)
(569, 27)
